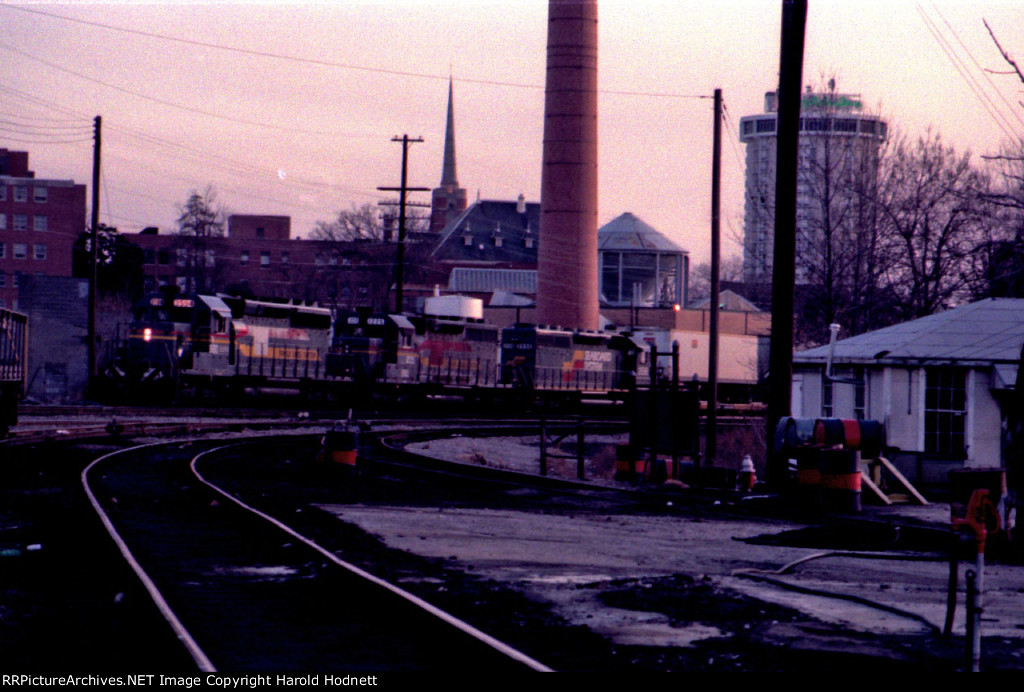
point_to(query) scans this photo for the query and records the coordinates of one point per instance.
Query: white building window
(39, 223)
(20, 222)
(284, 258)
(244, 259)
(945, 412)
(19, 250)
(3, 222)
(40, 194)
(264, 260)
(39, 250)
(20, 193)
(3, 193)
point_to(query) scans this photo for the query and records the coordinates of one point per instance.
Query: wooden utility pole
(94, 255)
(711, 432)
(780, 357)
(402, 190)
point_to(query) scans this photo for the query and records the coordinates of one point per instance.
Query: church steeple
(448, 200)
(448, 177)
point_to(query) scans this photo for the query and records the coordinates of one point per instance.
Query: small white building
(941, 384)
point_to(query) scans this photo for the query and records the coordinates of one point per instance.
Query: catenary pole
(711, 433)
(780, 357)
(94, 254)
(402, 191)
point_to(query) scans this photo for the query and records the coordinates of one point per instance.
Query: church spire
(448, 200)
(448, 178)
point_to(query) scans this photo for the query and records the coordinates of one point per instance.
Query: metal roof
(627, 232)
(985, 332)
(487, 280)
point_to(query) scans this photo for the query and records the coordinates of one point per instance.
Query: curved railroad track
(245, 591)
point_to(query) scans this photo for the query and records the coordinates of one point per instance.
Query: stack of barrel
(827, 452)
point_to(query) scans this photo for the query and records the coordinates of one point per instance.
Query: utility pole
(400, 254)
(94, 261)
(780, 357)
(711, 432)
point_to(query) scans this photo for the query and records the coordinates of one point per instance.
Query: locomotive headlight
(147, 334)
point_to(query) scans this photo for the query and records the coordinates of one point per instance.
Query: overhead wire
(330, 63)
(962, 69)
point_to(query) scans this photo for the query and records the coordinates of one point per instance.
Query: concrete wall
(57, 309)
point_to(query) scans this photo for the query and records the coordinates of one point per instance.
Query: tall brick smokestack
(567, 256)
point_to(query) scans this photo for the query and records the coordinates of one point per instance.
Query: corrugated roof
(483, 280)
(987, 331)
(627, 232)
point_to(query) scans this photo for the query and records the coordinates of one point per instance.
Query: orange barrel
(808, 475)
(628, 463)
(341, 447)
(851, 433)
(872, 438)
(785, 434)
(657, 471)
(804, 428)
(840, 480)
(829, 432)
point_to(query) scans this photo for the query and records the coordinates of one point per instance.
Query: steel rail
(195, 651)
(446, 617)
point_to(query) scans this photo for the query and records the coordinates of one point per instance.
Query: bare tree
(199, 220)
(932, 219)
(731, 269)
(359, 222)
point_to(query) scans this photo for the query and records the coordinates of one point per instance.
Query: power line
(962, 69)
(330, 63)
(163, 102)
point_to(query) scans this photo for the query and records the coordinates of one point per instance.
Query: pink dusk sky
(289, 107)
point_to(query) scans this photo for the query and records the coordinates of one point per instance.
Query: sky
(290, 107)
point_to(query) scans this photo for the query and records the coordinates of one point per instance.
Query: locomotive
(224, 344)
(203, 341)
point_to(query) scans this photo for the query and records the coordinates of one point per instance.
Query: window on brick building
(20, 222)
(244, 259)
(3, 222)
(39, 223)
(40, 194)
(3, 193)
(284, 258)
(264, 260)
(19, 250)
(40, 251)
(20, 193)
(3, 250)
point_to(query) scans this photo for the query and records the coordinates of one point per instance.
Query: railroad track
(245, 591)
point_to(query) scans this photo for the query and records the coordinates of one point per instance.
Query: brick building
(257, 257)
(40, 219)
